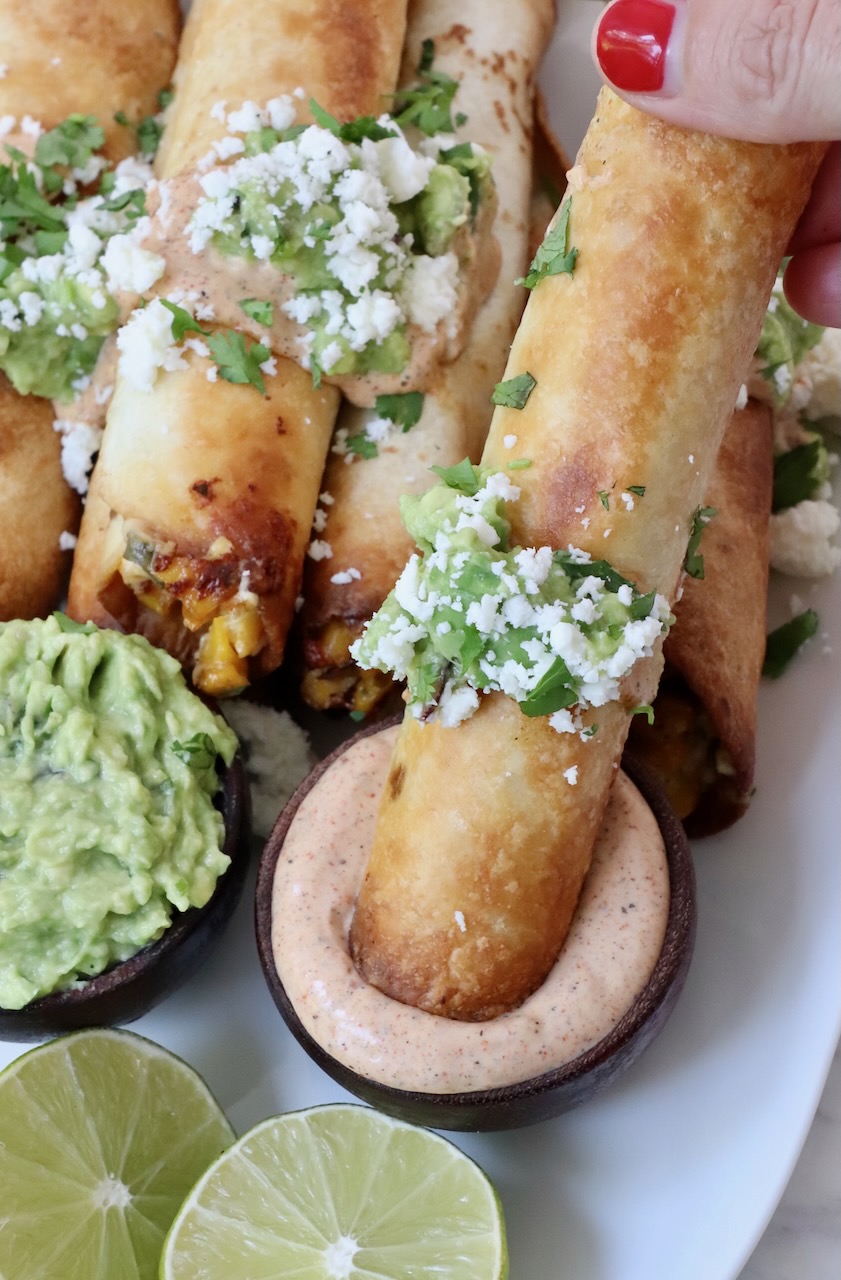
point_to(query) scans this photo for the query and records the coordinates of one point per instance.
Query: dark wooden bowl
(554, 1092)
(131, 988)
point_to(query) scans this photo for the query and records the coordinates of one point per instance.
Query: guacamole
(472, 614)
(107, 821)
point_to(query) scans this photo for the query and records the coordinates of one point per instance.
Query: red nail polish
(631, 41)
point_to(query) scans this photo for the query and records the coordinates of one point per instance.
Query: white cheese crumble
(801, 539)
(146, 345)
(277, 757)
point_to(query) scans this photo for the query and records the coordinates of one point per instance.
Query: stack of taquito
(482, 839)
(226, 478)
(60, 58)
(494, 61)
(701, 738)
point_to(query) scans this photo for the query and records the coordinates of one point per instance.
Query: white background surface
(673, 1174)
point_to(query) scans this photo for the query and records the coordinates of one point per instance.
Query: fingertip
(812, 284)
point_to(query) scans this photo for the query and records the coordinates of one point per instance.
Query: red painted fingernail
(631, 41)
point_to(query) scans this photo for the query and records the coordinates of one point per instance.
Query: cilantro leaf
(353, 130)
(361, 445)
(644, 709)
(165, 97)
(429, 105)
(132, 203)
(70, 143)
(237, 362)
(604, 498)
(199, 751)
(554, 256)
(782, 644)
(797, 474)
(638, 489)
(149, 134)
(694, 562)
(182, 321)
(403, 410)
(551, 693)
(514, 392)
(463, 476)
(260, 312)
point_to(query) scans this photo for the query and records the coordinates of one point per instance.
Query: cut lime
(102, 1134)
(339, 1193)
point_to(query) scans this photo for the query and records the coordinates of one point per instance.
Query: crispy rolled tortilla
(240, 472)
(90, 57)
(495, 62)
(36, 507)
(702, 742)
(638, 357)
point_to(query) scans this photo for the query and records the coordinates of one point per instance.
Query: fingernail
(631, 41)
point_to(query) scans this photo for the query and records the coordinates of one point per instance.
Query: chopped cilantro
(362, 446)
(70, 143)
(354, 130)
(519, 464)
(429, 105)
(260, 312)
(237, 362)
(463, 476)
(798, 474)
(514, 392)
(782, 645)
(694, 562)
(165, 97)
(552, 693)
(604, 498)
(357, 716)
(199, 751)
(638, 489)
(182, 321)
(133, 203)
(149, 133)
(644, 709)
(403, 410)
(553, 257)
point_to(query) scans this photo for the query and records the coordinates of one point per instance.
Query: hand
(761, 70)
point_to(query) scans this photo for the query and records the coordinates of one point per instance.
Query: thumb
(761, 70)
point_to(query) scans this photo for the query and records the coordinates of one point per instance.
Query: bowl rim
(661, 989)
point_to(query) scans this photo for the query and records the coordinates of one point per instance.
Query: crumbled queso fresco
(554, 630)
(365, 226)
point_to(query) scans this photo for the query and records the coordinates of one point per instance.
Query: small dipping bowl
(541, 1096)
(131, 988)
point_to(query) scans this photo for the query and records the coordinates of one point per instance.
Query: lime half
(102, 1134)
(339, 1193)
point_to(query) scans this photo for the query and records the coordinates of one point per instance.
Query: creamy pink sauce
(224, 280)
(613, 945)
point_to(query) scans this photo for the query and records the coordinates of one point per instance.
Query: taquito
(63, 58)
(87, 57)
(494, 59)
(226, 497)
(701, 740)
(36, 507)
(645, 309)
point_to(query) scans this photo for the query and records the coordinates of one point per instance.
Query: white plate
(674, 1173)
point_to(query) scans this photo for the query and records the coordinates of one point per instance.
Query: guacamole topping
(107, 822)
(472, 614)
(370, 220)
(63, 256)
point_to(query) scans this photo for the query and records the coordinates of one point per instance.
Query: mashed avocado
(107, 823)
(471, 614)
